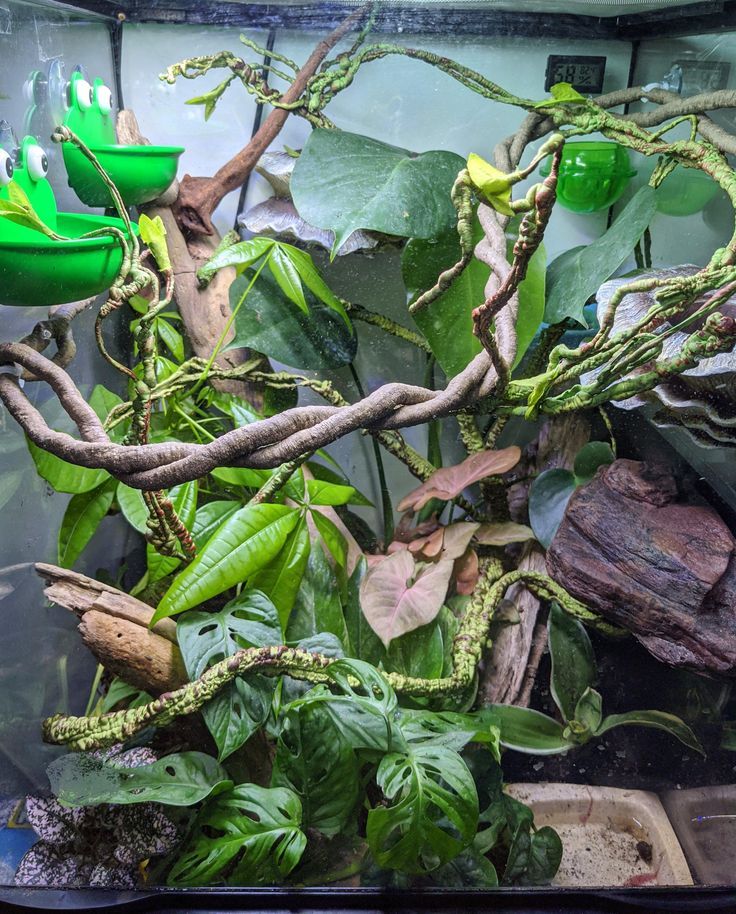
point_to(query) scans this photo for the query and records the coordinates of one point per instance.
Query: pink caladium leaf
(449, 482)
(466, 572)
(501, 534)
(398, 596)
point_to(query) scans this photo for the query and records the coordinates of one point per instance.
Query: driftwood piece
(114, 626)
(205, 312)
(662, 569)
(505, 679)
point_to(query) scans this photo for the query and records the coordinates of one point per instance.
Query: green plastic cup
(593, 175)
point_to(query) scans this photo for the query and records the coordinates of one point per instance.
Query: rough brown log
(665, 570)
(114, 626)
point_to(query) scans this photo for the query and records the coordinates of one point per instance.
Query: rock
(664, 570)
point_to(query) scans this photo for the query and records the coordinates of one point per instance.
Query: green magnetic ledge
(41, 271)
(592, 176)
(140, 173)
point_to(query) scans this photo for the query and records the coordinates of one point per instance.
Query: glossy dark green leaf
(269, 323)
(534, 857)
(330, 493)
(81, 519)
(316, 761)
(245, 543)
(343, 182)
(573, 660)
(591, 456)
(548, 498)
(530, 731)
(241, 708)
(577, 274)
(182, 779)
(209, 518)
(281, 578)
(468, 870)
(248, 836)
(419, 653)
(132, 506)
(326, 474)
(240, 255)
(317, 606)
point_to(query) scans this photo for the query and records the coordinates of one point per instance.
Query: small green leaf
(287, 277)
(153, 233)
(182, 779)
(171, 337)
(534, 857)
(573, 660)
(211, 98)
(240, 255)
(589, 711)
(311, 278)
(328, 493)
(81, 519)
(245, 543)
(660, 720)
(19, 209)
(591, 456)
(494, 184)
(548, 498)
(248, 836)
(562, 93)
(530, 731)
(133, 507)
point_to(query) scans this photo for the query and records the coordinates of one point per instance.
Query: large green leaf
(282, 577)
(316, 761)
(209, 518)
(419, 653)
(269, 323)
(133, 507)
(530, 731)
(432, 810)
(447, 323)
(245, 543)
(573, 660)
(548, 498)
(534, 857)
(343, 182)
(241, 708)
(660, 720)
(248, 836)
(63, 476)
(317, 606)
(182, 779)
(577, 274)
(81, 519)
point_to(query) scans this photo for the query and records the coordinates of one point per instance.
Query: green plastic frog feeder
(593, 175)
(36, 269)
(140, 173)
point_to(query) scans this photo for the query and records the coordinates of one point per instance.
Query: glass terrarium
(367, 485)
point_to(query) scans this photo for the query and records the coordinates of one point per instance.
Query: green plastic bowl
(35, 270)
(684, 192)
(140, 173)
(593, 175)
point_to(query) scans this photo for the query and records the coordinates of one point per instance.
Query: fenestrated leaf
(182, 779)
(269, 323)
(432, 813)
(281, 578)
(660, 720)
(250, 833)
(573, 660)
(245, 543)
(530, 731)
(81, 519)
(317, 762)
(343, 182)
(242, 707)
(577, 274)
(548, 498)
(397, 597)
(449, 482)
(63, 476)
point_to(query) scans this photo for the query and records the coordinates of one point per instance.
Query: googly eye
(104, 99)
(28, 92)
(83, 94)
(36, 162)
(6, 168)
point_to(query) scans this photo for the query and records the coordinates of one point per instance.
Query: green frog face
(28, 171)
(90, 113)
